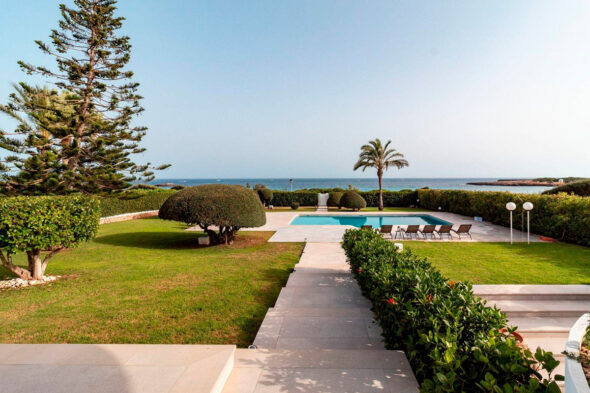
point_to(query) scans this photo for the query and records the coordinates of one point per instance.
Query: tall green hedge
(562, 217)
(136, 201)
(454, 342)
(310, 198)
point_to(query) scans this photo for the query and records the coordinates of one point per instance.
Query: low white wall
(128, 216)
(575, 380)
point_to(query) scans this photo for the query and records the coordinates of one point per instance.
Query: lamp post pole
(528, 206)
(511, 206)
(291, 181)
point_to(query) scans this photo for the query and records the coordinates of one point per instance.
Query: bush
(580, 188)
(352, 200)
(453, 341)
(403, 198)
(44, 224)
(563, 217)
(132, 202)
(228, 207)
(294, 205)
(334, 199)
(285, 198)
(178, 187)
(144, 187)
(265, 196)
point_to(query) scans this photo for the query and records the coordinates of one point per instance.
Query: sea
(362, 184)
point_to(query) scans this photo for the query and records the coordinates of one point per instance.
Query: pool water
(375, 220)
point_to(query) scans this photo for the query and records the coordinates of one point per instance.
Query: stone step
(536, 324)
(327, 371)
(321, 297)
(115, 368)
(533, 292)
(301, 279)
(301, 329)
(546, 308)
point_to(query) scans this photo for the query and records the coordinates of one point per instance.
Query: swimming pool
(375, 220)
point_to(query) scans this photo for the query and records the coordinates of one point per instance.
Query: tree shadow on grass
(153, 240)
(175, 240)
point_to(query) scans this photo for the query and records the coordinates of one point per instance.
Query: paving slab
(116, 368)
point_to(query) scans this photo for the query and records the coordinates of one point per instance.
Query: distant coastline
(363, 184)
(518, 183)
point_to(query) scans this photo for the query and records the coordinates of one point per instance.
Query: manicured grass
(502, 263)
(146, 281)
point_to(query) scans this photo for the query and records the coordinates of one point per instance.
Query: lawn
(146, 281)
(502, 263)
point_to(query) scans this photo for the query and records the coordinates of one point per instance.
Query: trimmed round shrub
(259, 186)
(36, 225)
(334, 199)
(352, 200)
(228, 207)
(294, 205)
(265, 196)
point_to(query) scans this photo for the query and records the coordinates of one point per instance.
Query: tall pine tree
(95, 138)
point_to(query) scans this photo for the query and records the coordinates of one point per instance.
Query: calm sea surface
(362, 184)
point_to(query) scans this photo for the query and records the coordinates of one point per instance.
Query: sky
(270, 88)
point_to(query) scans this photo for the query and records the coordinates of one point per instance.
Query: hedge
(454, 342)
(402, 198)
(563, 217)
(136, 201)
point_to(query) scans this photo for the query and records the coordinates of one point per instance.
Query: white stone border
(575, 380)
(128, 216)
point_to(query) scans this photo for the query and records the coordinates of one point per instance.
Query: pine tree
(97, 139)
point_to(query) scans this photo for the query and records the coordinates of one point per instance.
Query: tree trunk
(35, 264)
(380, 176)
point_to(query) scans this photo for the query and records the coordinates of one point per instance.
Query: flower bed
(454, 342)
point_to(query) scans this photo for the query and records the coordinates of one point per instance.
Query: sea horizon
(362, 184)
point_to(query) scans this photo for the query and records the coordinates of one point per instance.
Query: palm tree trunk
(380, 176)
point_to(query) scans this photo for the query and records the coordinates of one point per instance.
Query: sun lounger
(368, 227)
(386, 229)
(428, 229)
(408, 231)
(463, 230)
(444, 230)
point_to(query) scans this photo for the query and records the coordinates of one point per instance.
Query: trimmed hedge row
(563, 217)
(136, 201)
(454, 342)
(310, 198)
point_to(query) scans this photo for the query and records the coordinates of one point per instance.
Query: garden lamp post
(528, 206)
(511, 206)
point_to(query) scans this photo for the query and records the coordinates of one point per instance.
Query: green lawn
(145, 281)
(502, 263)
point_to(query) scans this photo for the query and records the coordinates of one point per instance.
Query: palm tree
(381, 157)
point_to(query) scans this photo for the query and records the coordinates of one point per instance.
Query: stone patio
(279, 222)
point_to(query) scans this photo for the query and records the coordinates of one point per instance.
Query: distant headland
(541, 181)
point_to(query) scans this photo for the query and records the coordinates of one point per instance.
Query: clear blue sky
(293, 88)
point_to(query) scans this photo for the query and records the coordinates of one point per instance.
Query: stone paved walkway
(320, 337)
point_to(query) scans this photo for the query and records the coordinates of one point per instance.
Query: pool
(375, 220)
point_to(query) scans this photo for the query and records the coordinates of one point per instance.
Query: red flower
(391, 300)
(429, 298)
(359, 270)
(452, 284)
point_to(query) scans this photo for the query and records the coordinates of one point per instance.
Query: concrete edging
(575, 380)
(128, 216)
